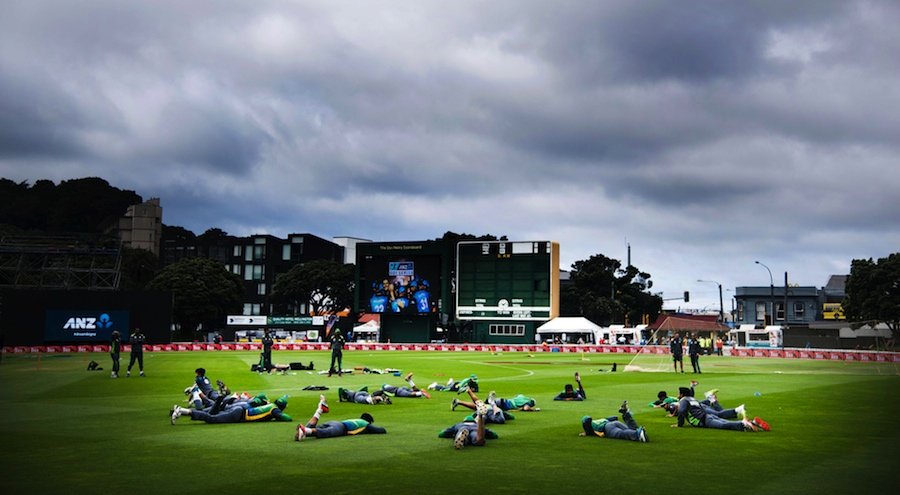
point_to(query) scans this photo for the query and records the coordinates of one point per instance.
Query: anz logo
(88, 323)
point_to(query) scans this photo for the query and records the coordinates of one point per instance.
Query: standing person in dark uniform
(115, 345)
(137, 351)
(337, 352)
(676, 347)
(694, 349)
(267, 342)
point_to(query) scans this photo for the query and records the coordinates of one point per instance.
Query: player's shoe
(761, 423)
(114, 375)
(453, 404)
(222, 388)
(623, 408)
(749, 426)
(408, 377)
(300, 434)
(711, 395)
(176, 413)
(425, 394)
(387, 400)
(577, 377)
(694, 383)
(433, 386)
(323, 405)
(742, 411)
(481, 408)
(459, 441)
(642, 435)
(492, 397)
(127, 374)
(141, 374)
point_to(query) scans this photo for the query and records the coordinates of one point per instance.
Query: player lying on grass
(611, 427)
(362, 396)
(470, 432)
(570, 393)
(363, 424)
(517, 403)
(411, 391)
(201, 394)
(237, 412)
(492, 414)
(458, 387)
(691, 411)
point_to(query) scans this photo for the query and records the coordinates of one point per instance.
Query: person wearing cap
(690, 411)
(239, 412)
(611, 427)
(569, 393)
(337, 352)
(356, 426)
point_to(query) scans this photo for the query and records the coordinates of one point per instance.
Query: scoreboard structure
(507, 280)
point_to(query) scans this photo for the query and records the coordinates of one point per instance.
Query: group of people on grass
(220, 405)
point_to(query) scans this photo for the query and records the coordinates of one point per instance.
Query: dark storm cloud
(707, 133)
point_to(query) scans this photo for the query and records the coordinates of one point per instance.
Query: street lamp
(771, 290)
(721, 308)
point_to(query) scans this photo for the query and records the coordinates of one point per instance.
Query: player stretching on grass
(470, 433)
(492, 413)
(239, 412)
(690, 411)
(570, 393)
(611, 427)
(363, 424)
(411, 391)
(362, 396)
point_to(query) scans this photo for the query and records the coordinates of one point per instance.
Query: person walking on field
(115, 345)
(136, 340)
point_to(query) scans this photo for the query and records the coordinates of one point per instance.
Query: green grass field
(67, 430)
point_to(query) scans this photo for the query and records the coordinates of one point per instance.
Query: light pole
(721, 307)
(771, 290)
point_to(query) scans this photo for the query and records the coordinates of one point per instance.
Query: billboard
(88, 325)
(507, 280)
(400, 283)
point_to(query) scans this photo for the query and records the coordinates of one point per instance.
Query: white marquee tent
(573, 327)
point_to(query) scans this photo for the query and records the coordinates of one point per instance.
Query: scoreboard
(507, 280)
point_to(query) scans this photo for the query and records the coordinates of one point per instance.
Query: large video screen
(506, 280)
(400, 284)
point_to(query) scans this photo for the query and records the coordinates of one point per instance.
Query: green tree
(873, 292)
(204, 292)
(139, 266)
(323, 286)
(604, 292)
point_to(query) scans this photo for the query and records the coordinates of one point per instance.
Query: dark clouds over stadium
(706, 135)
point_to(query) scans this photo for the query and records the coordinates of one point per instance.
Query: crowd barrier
(788, 353)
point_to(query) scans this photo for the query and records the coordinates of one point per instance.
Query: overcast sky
(706, 135)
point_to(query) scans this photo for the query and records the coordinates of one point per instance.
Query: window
(779, 311)
(251, 309)
(740, 311)
(236, 269)
(248, 253)
(248, 272)
(261, 289)
(760, 311)
(507, 330)
(237, 250)
(259, 252)
(798, 310)
(286, 252)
